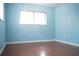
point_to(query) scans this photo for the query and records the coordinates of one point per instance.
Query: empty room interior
(39, 29)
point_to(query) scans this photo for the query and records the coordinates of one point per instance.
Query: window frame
(34, 16)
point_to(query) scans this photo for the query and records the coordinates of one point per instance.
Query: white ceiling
(49, 4)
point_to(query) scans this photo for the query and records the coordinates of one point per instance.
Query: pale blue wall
(67, 22)
(2, 33)
(63, 23)
(19, 32)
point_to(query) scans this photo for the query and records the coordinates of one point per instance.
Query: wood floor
(53, 48)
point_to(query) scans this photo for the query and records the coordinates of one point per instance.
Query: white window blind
(30, 17)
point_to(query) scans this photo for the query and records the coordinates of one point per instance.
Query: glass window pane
(30, 17)
(40, 18)
(26, 17)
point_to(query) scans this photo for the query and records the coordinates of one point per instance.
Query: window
(29, 17)
(1, 11)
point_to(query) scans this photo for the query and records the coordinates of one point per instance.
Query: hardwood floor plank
(53, 48)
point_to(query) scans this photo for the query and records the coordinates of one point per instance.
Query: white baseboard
(2, 48)
(74, 44)
(16, 42)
